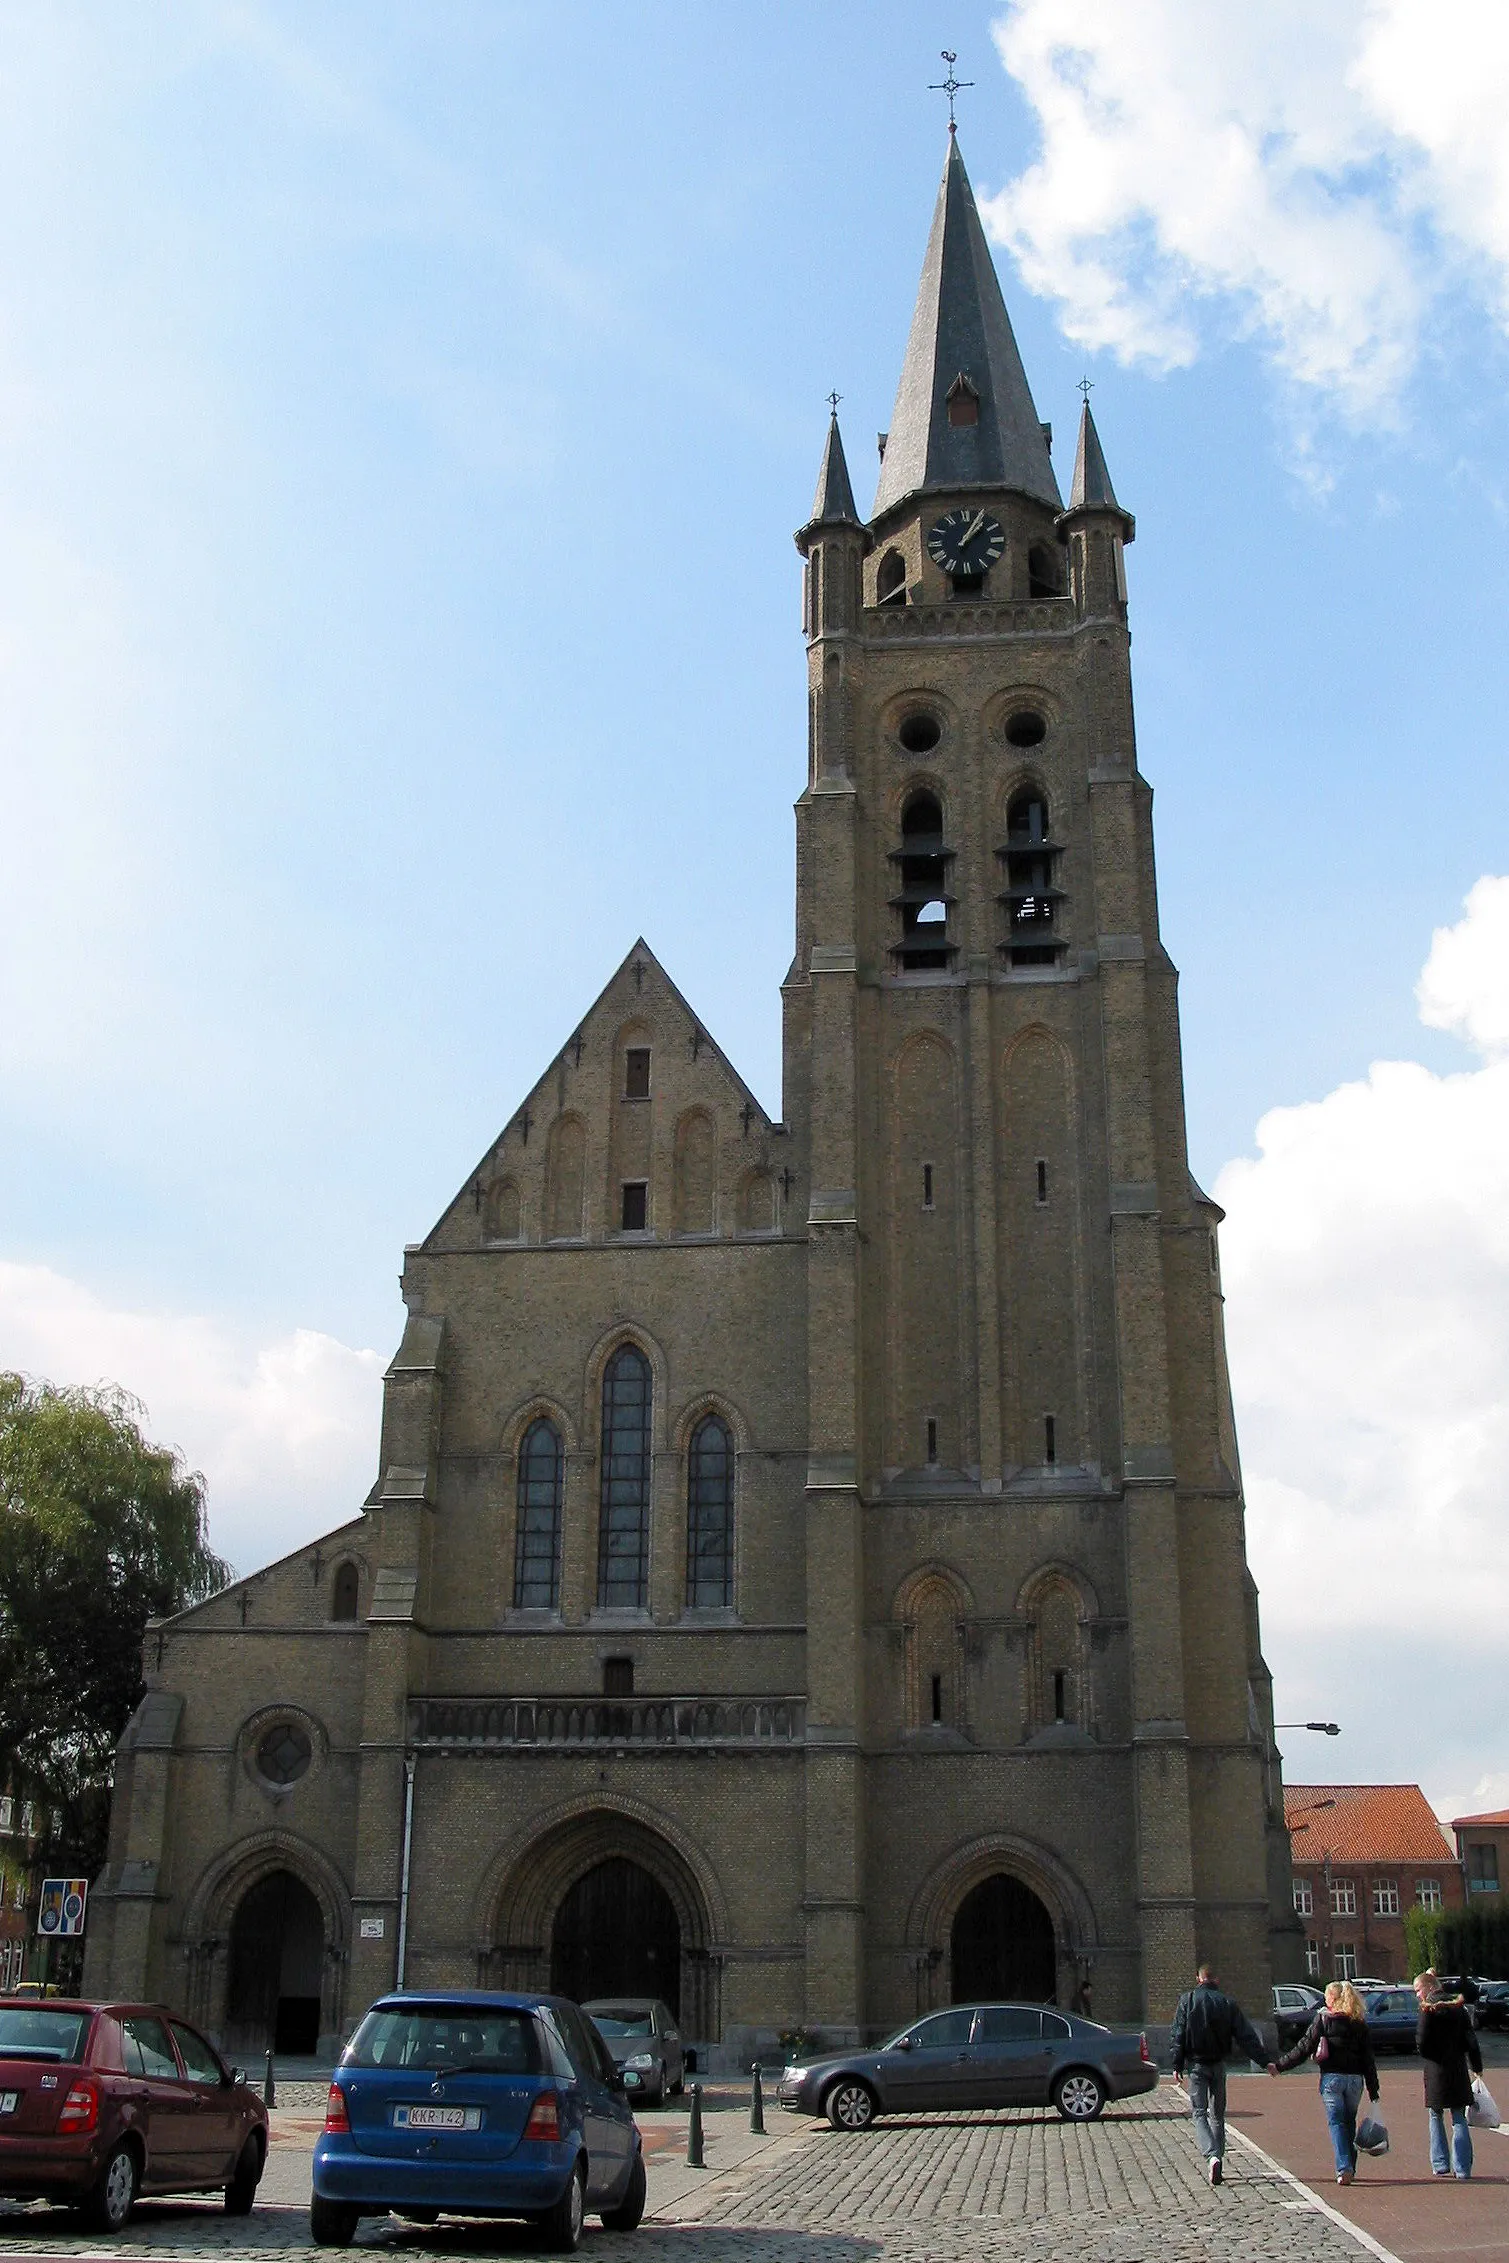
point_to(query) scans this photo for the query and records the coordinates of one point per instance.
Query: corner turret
(1096, 527)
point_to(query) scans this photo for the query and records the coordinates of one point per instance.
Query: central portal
(616, 1934)
(1003, 1945)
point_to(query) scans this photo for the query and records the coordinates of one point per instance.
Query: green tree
(99, 1531)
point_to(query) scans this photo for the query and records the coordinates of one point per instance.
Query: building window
(927, 1186)
(636, 1206)
(1343, 1897)
(1050, 1440)
(623, 1533)
(1032, 898)
(1304, 1899)
(7, 1813)
(710, 1516)
(1385, 1898)
(1042, 1183)
(537, 1531)
(937, 1696)
(284, 1753)
(932, 1439)
(1312, 1960)
(890, 579)
(637, 1073)
(1483, 1870)
(1428, 1892)
(618, 1677)
(923, 899)
(963, 403)
(345, 1592)
(28, 1820)
(1346, 1960)
(1047, 570)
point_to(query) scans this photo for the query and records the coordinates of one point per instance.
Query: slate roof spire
(835, 496)
(961, 329)
(1092, 489)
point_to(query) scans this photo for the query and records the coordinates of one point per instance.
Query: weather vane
(949, 86)
(1086, 388)
(833, 401)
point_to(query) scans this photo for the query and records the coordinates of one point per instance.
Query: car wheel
(561, 2225)
(626, 2216)
(331, 2223)
(114, 2196)
(850, 2105)
(1079, 2095)
(241, 2192)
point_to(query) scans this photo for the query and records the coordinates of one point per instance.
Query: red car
(100, 2102)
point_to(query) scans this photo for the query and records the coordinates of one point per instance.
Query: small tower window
(1045, 570)
(637, 1073)
(890, 579)
(937, 1682)
(923, 900)
(927, 1186)
(618, 1677)
(932, 1439)
(1042, 1183)
(345, 1593)
(1032, 897)
(636, 1205)
(1050, 1440)
(1060, 1691)
(963, 403)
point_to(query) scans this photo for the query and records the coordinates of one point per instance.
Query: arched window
(1058, 1693)
(1032, 896)
(503, 1214)
(623, 1532)
(890, 579)
(537, 1531)
(923, 900)
(1045, 570)
(710, 1516)
(345, 1592)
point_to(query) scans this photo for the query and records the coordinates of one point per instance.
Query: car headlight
(793, 2074)
(641, 2059)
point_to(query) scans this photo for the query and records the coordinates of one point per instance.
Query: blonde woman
(1337, 2039)
(1449, 2052)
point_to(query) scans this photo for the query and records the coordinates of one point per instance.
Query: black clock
(966, 543)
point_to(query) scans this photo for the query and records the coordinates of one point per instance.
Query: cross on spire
(949, 86)
(1086, 388)
(833, 401)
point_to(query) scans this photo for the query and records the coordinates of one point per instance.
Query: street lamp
(1320, 1728)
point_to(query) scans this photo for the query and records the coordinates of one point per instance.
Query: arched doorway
(1002, 1945)
(616, 1933)
(277, 1954)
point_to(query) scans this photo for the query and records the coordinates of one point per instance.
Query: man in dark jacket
(1207, 2028)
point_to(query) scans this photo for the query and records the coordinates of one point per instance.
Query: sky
(404, 414)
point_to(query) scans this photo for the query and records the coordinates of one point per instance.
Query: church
(805, 1578)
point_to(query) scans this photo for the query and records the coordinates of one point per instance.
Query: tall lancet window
(923, 899)
(537, 1532)
(710, 1516)
(623, 1532)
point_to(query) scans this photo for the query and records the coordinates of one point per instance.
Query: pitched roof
(1363, 1823)
(1497, 1820)
(1092, 489)
(960, 328)
(835, 496)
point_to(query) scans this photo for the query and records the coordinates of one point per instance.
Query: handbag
(1482, 2113)
(1372, 2135)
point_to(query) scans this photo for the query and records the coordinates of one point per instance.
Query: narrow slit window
(1059, 1681)
(937, 1697)
(1050, 1439)
(637, 1073)
(927, 1186)
(932, 1438)
(1042, 1183)
(636, 1206)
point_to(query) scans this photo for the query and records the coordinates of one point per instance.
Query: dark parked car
(477, 2105)
(645, 2041)
(101, 2102)
(1493, 2003)
(1392, 2013)
(975, 2055)
(1294, 2006)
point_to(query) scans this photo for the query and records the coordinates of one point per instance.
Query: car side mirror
(616, 2081)
(238, 2079)
(902, 2043)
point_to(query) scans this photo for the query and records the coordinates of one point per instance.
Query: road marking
(1309, 2199)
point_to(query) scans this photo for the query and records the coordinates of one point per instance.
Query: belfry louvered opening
(923, 902)
(1032, 897)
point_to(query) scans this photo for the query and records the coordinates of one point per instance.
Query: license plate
(437, 2117)
(9, 2101)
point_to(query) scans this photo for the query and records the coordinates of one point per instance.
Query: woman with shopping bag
(1338, 2041)
(1449, 2050)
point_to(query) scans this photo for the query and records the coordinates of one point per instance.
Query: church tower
(1031, 1624)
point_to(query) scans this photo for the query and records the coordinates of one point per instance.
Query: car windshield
(1397, 2000)
(441, 2038)
(27, 2033)
(624, 2023)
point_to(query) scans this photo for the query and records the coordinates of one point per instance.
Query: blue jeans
(1341, 2095)
(1461, 2141)
(1207, 2105)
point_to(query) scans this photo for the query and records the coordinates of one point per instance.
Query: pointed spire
(835, 496)
(1092, 489)
(961, 330)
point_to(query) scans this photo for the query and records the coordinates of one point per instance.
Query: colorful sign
(60, 1911)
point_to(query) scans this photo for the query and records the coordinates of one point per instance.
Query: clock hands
(971, 530)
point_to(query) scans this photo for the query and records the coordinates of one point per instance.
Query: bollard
(269, 2087)
(757, 2104)
(694, 2158)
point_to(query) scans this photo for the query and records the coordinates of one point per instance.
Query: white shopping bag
(1482, 2113)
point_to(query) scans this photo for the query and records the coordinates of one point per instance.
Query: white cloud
(1365, 1262)
(285, 1431)
(1322, 167)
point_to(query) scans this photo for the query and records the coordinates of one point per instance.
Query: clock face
(965, 543)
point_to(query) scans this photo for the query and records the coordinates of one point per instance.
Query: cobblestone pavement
(968, 2188)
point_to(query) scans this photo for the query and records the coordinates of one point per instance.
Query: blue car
(1392, 2013)
(477, 2105)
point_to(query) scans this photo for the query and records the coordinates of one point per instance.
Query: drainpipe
(403, 1884)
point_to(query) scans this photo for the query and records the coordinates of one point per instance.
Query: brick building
(1483, 1849)
(805, 1577)
(1363, 1855)
(20, 1828)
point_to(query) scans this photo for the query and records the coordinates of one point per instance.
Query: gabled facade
(805, 1578)
(1364, 1856)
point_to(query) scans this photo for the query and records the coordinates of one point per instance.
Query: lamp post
(1318, 1728)
(1325, 1861)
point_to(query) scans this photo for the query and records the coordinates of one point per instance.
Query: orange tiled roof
(1365, 1823)
(1497, 1821)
